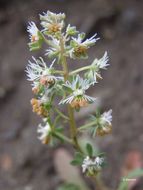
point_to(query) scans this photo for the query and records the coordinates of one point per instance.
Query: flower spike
(58, 83)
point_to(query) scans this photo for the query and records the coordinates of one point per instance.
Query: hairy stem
(72, 122)
(73, 129)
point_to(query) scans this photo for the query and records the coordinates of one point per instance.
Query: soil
(25, 164)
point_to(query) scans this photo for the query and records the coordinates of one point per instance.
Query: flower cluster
(43, 83)
(39, 73)
(77, 89)
(55, 85)
(52, 23)
(101, 123)
(38, 107)
(80, 46)
(94, 72)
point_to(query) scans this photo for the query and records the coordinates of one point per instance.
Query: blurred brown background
(25, 164)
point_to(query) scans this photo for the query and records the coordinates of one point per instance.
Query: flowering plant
(54, 88)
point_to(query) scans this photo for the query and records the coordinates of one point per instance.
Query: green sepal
(71, 30)
(73, 43)
(56, 34)
(82, 35)
(37, 44)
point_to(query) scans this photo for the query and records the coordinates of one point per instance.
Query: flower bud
(38, 107)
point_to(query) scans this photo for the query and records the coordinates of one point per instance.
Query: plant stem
(79, 70)
(86, 125)
(62, 137)
(73, 129)
(99, 183)
(61, 114)
(56, 120)
(58, 72)
(72, 123)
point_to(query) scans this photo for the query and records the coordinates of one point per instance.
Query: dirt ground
(25, 164)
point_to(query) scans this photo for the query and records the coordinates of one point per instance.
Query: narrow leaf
(89, 149)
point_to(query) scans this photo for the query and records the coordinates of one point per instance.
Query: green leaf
(69, 187)
(76, 162)
(89, 149)
(78, 155)
(98, 112)
(78, 159)
(132, 175)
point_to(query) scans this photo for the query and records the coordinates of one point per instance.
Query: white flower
(102, 63)
(36, 69)
(52, 22)
(94, 71)
(92, 165)
(87, 42)
(86, 162)
(33, 31)
(80, 46)
(39, 70)
(101, 123)
(78, 98)
(106, 117)
(44, 132)
(98, 161)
